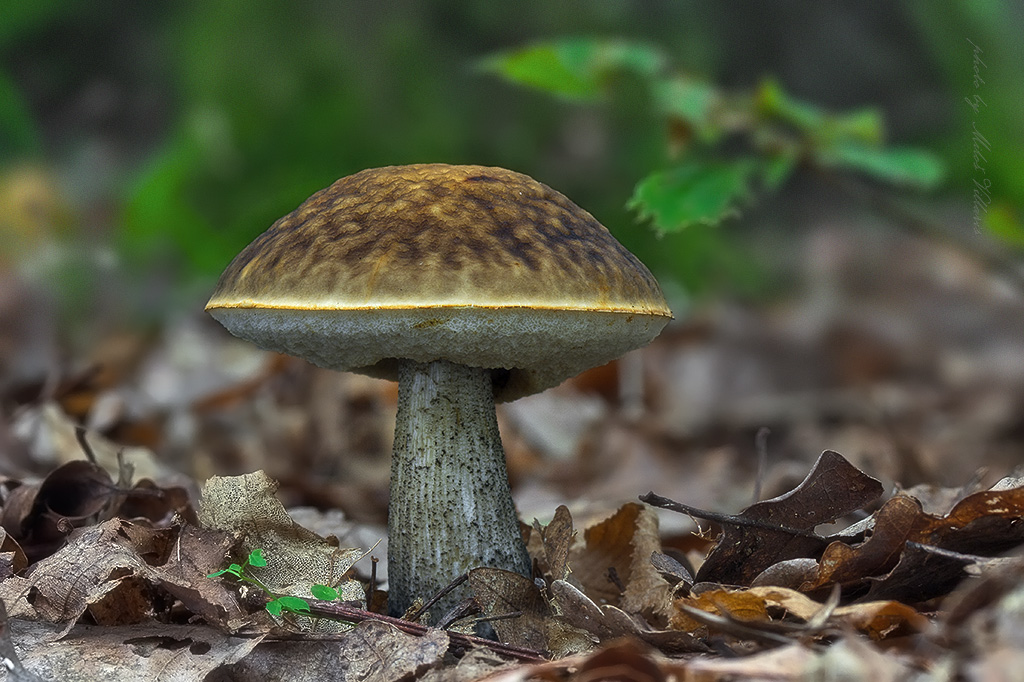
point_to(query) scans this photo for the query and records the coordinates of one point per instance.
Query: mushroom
(468, 285)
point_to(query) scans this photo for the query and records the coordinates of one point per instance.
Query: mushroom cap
(475, 265)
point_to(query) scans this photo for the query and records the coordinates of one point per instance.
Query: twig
(444, 591)
(350, 614)
(732, 627)
(725, 519)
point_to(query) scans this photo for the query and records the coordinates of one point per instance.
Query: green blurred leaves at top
(276, 107)
(267, 102)
(575, 68)
(707, 181)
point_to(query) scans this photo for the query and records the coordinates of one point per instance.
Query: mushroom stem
(451, 505)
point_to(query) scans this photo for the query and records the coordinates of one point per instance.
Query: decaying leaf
(614, 564)
(833, 488)
(138, 652)
(371, 652)
(765, 605)
(100, 568)
(499, 593)
(555, 541)
(297, 558)
(475, 665)
(609, 622)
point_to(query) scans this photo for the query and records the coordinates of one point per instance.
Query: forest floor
(836, 478)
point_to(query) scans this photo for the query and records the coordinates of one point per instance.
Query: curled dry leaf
(833, 488)
(761, 605)
(370, 651)
(555, 540)
(101, 567)
(297, 558)
(613, 566)
(41, 515)
(897, 557)
(77, 494)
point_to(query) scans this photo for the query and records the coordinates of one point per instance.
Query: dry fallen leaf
(832, 488)
(100, 567)
(761, 605)
(370, 652)
(613, 566)
(297, 558)
(555, 542)
(609, 622)
(139, 652)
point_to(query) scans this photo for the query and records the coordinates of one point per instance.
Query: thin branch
(725, 519)
(350, 614)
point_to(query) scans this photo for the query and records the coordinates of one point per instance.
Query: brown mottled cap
(476, 265)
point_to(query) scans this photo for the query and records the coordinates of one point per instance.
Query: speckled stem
(451, 506)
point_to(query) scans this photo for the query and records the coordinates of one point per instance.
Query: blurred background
(830, 194)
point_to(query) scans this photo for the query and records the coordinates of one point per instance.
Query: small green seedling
(277, 603)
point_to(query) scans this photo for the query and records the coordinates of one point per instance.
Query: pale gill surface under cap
(540, 348)
(471, 264)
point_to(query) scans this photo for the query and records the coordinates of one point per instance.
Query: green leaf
(692, 193)
(324, 592)
(287, 603)
(897, 165)
(860, 125)
(690, 100)
(1002, 221)
(233, 569)
(772, 100)
(256, 558)
(864, 125)
(573, 68)
(777, 169)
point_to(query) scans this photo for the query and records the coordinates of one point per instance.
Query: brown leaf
(833, 487)
(499, 593)
(297, 558)
(609, 622)
(878, 619)
(984, 523)
(158, 504)
(672, 570)
(100, 567)
(475, 665)
(614, 565)
(841, 563)
(556, 539)
(790, 573)
(371, 652)
(623, 661)
(13, 556)
(137, 652)
(72, 495)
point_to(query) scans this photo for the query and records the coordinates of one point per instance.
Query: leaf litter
(109, 560)
(104, 561)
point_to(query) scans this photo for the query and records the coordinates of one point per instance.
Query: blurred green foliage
(708, 178)
(192, 126)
